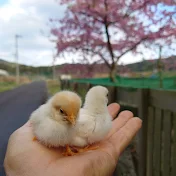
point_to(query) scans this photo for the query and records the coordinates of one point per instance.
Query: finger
(113, 109)
(120, 121)
(26, 128)
(27, 124)
(123, 137)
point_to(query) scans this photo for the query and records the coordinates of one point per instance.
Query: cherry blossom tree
(106, 30)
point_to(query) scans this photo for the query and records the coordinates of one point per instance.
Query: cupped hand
(25, 157)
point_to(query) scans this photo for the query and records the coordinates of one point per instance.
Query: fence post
(112, 94)
(143, 104)
(75, 86)
(88, 86)
(61, 84)
(116, 95)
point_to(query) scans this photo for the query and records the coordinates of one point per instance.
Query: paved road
(15, 108)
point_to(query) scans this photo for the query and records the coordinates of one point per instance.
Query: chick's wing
(85, 124)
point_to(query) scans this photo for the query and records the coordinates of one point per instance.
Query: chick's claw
(87, 148)
(68, 151)
(34, 138)
(92, 147)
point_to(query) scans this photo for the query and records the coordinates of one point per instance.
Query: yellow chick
(52, 121)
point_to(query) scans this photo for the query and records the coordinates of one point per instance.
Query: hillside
(24, 69)
(169, 64)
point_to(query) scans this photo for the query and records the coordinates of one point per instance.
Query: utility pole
(53, 66)
(16, 55)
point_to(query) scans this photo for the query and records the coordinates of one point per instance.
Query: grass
(8, 83)
(169, 73)
(5, 86)
(53, 86)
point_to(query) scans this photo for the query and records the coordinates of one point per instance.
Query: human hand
(25, 157)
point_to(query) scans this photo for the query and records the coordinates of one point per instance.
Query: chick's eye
(61, 111)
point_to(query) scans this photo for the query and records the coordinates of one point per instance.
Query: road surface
(15, 108)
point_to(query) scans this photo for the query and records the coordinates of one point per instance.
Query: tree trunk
(159, 69)
(160, 73)
(112, 73)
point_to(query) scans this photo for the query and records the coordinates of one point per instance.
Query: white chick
(52, 121)
(94, 121)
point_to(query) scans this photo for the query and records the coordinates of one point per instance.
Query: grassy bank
(53, 86)
(9, 83)
(4, 86)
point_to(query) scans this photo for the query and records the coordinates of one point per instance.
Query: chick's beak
(71, 119)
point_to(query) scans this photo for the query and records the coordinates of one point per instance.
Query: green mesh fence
(154, 83)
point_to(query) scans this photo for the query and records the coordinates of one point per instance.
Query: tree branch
(97, 53)
(133, 47)
(128, 13)
(107, 34)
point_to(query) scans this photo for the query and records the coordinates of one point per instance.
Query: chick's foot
(34, 138)
(68, 151)
(87, 148)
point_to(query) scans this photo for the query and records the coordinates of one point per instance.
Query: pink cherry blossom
(109, 29)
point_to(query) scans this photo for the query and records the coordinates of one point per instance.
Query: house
(3, 73)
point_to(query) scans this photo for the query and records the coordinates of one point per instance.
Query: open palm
(27, 157)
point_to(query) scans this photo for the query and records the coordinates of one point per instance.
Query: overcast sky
(30, 18)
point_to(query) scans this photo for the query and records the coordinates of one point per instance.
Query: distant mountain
(146, 65)
(82, 70)
(4, 62)
(24, 69)
(168, 64)
(1, 60)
